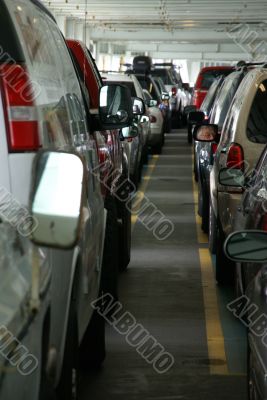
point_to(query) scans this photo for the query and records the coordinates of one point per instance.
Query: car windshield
(164, 75)
(129, 85)
(209, 77)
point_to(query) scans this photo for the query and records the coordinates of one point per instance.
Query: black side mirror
(247, 246)
(190, 109)
(196, 117)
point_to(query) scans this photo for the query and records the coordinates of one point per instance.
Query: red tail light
(235, 157)
(20, 110)
(174, 91)
(214, 147)
(152, 118)
(264, 222)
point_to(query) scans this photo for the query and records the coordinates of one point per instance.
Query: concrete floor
(163, 290)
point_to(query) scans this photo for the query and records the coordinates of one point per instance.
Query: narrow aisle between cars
(163, 291)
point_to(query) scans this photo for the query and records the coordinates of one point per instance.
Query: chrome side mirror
(56, 198)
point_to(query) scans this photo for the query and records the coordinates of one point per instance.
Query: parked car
(144, 67)
(138, 143)
(204, 152)
(179, 93)
(251, 213)
(49, 285)
(156, 135)
(249, 248)
(205, 78)
(165, 103)
(242, 140)
(113, 160)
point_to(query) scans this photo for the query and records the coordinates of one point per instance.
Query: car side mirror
(189, 109)
(130, 132)
(196, 117)
(165, 96)
(56, 198)
(139, 107)
(232, 177)
(152, 103)
(115, 106)
(247, 246)
(206, 133)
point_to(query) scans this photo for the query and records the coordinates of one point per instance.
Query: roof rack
(164, 65)
(244, 64)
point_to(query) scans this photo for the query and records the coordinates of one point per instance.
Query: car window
(208, 77)
(224, 100)
(128, 84)
(147, 95)
(164, 75)
(50, 65)
(148, 85)
(257, 120)
(207, 104)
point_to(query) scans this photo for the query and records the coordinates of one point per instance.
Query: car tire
(168, 126)
(92, 351)
(225, 268)
(110, 269)
(46, 391)
(67, 387)
(212, 229)
(205, 212)
(125, 234)
(157, 148)
(189, 133)
(252, 390)
(195, 171)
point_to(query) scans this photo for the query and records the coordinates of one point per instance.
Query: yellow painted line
(202, 238)
(214, 332)
(143, 186)
(215, 338)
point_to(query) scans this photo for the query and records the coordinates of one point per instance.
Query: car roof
(216, 68)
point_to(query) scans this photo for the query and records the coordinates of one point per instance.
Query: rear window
(147, 84)
(164, 75)
(257, 121)
(207, 78)
(129, 85)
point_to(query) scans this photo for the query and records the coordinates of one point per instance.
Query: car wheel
(157, 149)
(253, 393)
(46, 391)
(212, 229)
(125, 234)
(92, 351)
(205, 212)
(224, 267)
(189, 133)
(110, 270)
(196, 177)
(168, 127)
(67, 388)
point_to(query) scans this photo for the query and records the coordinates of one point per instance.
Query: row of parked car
(72, 148)
(230, 136)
